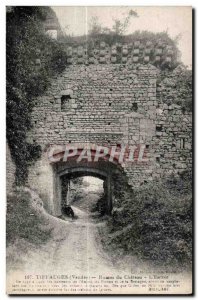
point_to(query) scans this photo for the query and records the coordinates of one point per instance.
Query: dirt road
(73, 250)
(74, 247)
(81, 252)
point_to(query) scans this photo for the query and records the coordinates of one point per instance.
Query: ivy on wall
(32, 59)
(175, 87)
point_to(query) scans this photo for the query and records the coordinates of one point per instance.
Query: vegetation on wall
(33, 58)
(117, 35)
(176, 87)
(119, 26)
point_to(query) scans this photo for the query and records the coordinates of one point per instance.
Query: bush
(155, 222)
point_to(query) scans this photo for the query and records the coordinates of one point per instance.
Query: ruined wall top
(136, 52)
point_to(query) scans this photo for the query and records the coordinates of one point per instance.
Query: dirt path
(75, 250)
(80, 252)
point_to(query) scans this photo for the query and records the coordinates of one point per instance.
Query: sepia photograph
(99, 155)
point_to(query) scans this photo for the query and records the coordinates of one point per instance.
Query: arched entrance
(88, 165)
(75, 172)
(69, 170)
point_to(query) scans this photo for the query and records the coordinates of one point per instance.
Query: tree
(96, 28)
(120, 27)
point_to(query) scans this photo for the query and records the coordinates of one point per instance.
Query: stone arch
(71, 170)
(76, 172)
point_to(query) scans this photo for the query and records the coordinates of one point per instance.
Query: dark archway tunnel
(69, 175)
(70, 170)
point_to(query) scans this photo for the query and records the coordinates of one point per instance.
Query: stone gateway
(105, 102)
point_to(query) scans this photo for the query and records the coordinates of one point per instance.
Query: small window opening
(147, 146)
(134, 107)
(69, 142)
(157, 159)
(159, 128)
(182, 143)
(109, 123)
(64, 100)
(109, 104)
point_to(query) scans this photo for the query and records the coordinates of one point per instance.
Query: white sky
(176, 20)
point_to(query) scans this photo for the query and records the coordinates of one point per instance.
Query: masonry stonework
(108, 105)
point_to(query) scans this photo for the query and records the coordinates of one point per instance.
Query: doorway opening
(87, 194)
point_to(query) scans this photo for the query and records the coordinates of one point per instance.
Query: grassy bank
(25, 219)
(154, 222)
(27, 227)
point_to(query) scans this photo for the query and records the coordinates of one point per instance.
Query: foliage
(117, 35)
(23, 221)
(155, 222)
(32, 59)
(119, 27)
(176, 87)
(96, 27)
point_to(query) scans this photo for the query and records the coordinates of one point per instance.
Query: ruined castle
(109, 96)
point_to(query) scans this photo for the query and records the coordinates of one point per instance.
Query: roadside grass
(25, 220)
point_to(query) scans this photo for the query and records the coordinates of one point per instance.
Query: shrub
(155, 222)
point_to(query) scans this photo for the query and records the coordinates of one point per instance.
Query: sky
(176, 20)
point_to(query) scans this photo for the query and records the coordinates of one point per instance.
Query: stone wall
(111, 105)
(41, 178)
(129, 53)
(91, 104)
